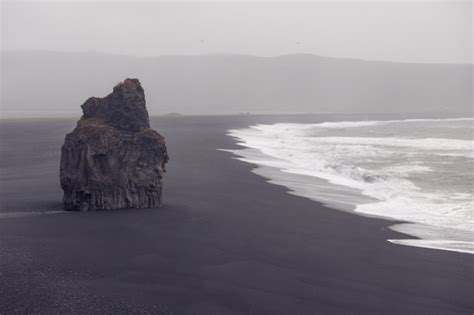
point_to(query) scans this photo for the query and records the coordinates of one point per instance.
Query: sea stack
(113, 159)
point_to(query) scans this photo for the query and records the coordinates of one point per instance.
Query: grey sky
(431, 32)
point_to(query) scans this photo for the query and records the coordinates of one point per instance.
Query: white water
(418, 171)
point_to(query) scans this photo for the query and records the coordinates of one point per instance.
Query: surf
(386, 169)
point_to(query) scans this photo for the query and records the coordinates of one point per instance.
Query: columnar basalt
(113, 159)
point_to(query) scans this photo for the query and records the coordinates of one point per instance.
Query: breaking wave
(416, 170)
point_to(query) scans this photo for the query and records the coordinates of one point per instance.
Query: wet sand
(224, 242)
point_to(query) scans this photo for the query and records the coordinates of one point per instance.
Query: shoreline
(417, 234)
(225, 241)
(322, 187)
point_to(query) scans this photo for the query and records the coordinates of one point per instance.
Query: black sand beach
(225, 241)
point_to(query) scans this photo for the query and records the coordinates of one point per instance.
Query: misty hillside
(48, 83)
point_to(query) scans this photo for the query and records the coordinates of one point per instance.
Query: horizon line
(227, 54)
(454, 115)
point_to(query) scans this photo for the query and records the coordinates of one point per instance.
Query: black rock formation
(113, 159)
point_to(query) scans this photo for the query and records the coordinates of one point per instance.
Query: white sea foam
(354, 124)
(455, 246)
(421, 179)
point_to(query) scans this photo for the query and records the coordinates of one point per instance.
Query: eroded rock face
(113, 159)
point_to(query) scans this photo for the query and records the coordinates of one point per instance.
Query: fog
(406, 31)
(226, 57)
(49, 84)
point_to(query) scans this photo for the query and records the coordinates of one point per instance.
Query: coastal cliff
(113, 159)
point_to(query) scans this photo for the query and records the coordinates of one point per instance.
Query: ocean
(417, 172)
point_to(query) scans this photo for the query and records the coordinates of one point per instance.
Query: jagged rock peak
(124, 108)
(113, 159)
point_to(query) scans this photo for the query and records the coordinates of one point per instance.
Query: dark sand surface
(225, 242)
